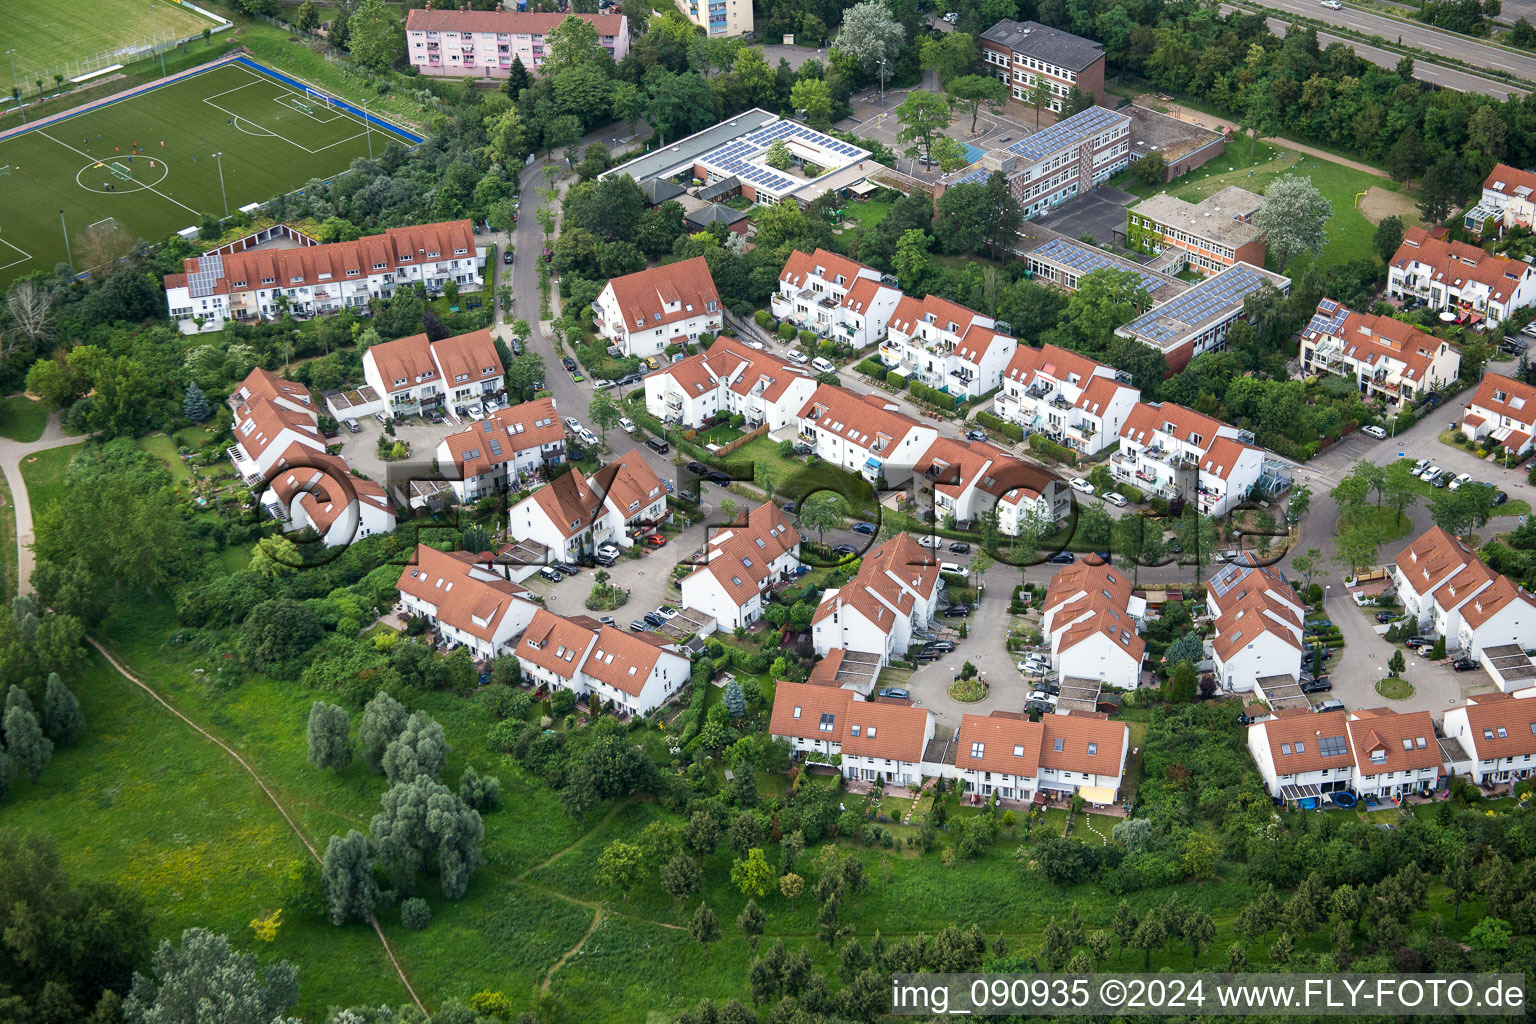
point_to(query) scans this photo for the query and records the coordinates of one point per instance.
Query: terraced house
(644, 313)
(1498, 734)
(1258, 620)
(864, 434)
(1504, 409)
(834, 297)
(635, 673)
(895, 591)
(466, 602)
(509, 447)
(453, 374)
(1386, 358)
(1092, 621)
(1070, 398)
(878, 740)
(1459, 278)
(742, 564)
(957, 481)
(729, 379)
(946, 346)
(1175, 452)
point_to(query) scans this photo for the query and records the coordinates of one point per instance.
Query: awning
(1097, 794)
(1297, 792)
(872, 463)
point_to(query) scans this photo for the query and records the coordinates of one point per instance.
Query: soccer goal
(102, 226)
(4, 170)
(120, 170)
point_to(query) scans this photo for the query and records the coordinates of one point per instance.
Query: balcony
(1060, 403)
(1037, 391)
(1126, 459)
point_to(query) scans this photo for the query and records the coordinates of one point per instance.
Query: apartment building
(1197, 320)
(1498, 733)
(566, 516)
(742, 564)
(1258, 619)
(1072, 399)
(659, 308)
(270, 416)
(1092, 621)
(634, 673)
(315, 279)
(720, 19)
(729, 379)
(1048, 167)
(1210, 235)
(1386, 358)
(834, 297)
(1025, 53)
(1445, 587)
(507, 449)
(864, 434)
(957, 481)
(1006, 755)
(1395, 754)
(484, 44)
(877, 740)
(1502, 408)
(1458, 278)
(1176, 452)
(946, 346)
(467, 603)
(452, 374)
(1507, 202)
(894, 592)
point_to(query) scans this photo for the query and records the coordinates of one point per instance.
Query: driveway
(646, 578)
(988, 630)
(362, 450)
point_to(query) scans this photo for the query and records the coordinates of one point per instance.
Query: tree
(1040, 98)
(1076, 102)
(1399, 487)
(207, 982)
(1356, 546)
(969, 92)
(735, 702)
(1389, 235)
(923, 115)
(1354, 491)
(29, 309)
(705, 926)
(911, 260)
(1463, 510)
(871, 37)
(1397, 663)
(1461, 879)
(276, 631)
(1104, 300)
(950, 54)
(680, 877)
(1199, 932)
(383, 719)
(419, 750)
(351, 894)
(701, 834)
(308, 18)
(605, 413)
(791, 885)
(751, 921)
(518, 79)
(61, 712)
(29, 750)
(812, 101)
(821, 515)
(195, 405)
(421, 818)
(330, 742)
(1181, 683)
(752, 875)
(481, 792)
(1444, 185)
(619, 866)
(1292, 218)
(779, 156)
(377, 35)
(415, 914)
(1003, 215)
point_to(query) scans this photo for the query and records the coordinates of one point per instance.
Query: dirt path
(575, 843)
(281, 809)
(597, 919)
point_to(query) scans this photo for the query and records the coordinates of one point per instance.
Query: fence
(143, 48)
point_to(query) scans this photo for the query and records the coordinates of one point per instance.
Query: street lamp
(15, 88)
(218, 158)
(156, 16)
(368, 130)
(883, 65)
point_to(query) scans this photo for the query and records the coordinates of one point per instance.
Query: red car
(656, 540)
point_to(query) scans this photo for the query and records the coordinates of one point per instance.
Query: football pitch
(54, 37)
(147, 162)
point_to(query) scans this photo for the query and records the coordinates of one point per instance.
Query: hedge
(1045, 446)
(873, 368)
(924, 393)
(1002, 426)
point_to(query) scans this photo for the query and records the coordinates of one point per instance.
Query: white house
(1459, 278)
(1258, 622)
(1302, 754)
(878, 740)
(266, 428)
(729, 379)
(1499, 734)
(834, 297)
(658, 308)
(1175, 452)
(416, 374)
(946, 346)
(1395, 754)
(485, 44)
(213, 288)
(963, 479)
(635, 673)
(894, 592)
(1083, 753)
(743, 562)
(1091, 618)
(863, 433)
(634, 495)
(1498, 615)
(318, 491)
(1506, 202)
(508, 447)
(469, 604)
(566, 516)
(1006, 755)
(1073, 400)
(1504, 408)
(1386, 358)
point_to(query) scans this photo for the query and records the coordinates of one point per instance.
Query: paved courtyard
(1100, 213)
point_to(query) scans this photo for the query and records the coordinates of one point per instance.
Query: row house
(1504, 409)
(957, 481)
(1507, 202)
(1210, 236)
(1072, 399)
(1091, 620)
(1258, 619)
(834, 297)
(1498, 734)
(464, 600)
(864, 434)
(1386, 358)
(1373, 752)
(635, 673)
(265, 429)
(1458, 278)
(742, 564)
(484, 44)
(453, 374)
(729, 379)
(1199, 319)
(1447, 588)
(644, 313)
(876, 740)
(262, 283)
(1046, 168)
(946, 346)
(507, 449)
(574, 514)
(1176, 452)
(1025, 53)
(894, 593)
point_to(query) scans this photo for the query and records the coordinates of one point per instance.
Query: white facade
(510, 447)
(1498, 733)
(1174, 452)
(834, 297)
(1459, 278)
(946, 346)
(644, 313)
(863, 433)
(484, 44)
(468, 603)
(743, 562)
(1070, 398)
(729, 379)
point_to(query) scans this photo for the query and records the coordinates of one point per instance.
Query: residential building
(999, 755)
(1303, 755)
(1073, 400)
(466, 602)
(659, 308)
(634, 495)
(729, 379)
(1424, 566)
(1258, 619)
(1006, 755)
(878, 740)
(1025, 53)
(1048, 167)
(1395, 754)
(863, 433)
(1083, 754)
(1458, 278)
(484, 44)
(720, 19)
(1209, 236)
(1386, 358)
(946, 346)
(507, 449)
(1176, 452)
(452, 374)
(1506, 202)
(1502, 615)
(566, 516)
(1502, 408)
(960, 480)
(895, 591)
(1447, 589)
(1197, 320)
(633, 673)
(834, 297)
(270, 418)
(322, 278)
(742, 564)
(1498, 733)
(1091, 618)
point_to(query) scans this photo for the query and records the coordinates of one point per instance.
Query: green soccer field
(272, 137)
(51, 37)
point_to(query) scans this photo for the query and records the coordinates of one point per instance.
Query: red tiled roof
(1146, 421)
(863, 420)
(1373, 340)
(1501, 725)
(303, 471)
(1088, 744)
(622, 660)
(1008, 744)
(569, 499)
(877, 729)
(1505, 396)
(1383, 729)
(834, 269)
(1457, 263)
(1294, 742)
(1223, 456)
(646, 294)
(1059, 364)
(798, 709)
(630, 483)
(951, 317)
(1509, 181)
(1433, 557)
(462, 595)
(555, 643)
(407, 360)
(471, 356)
(738, 556)
(516, 429)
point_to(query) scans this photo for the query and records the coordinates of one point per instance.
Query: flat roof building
(1211, 235)
(1048, 167)
(1198, 320)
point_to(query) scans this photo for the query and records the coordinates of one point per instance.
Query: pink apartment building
(483, 44)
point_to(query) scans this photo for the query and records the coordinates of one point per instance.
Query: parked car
(516, 344)
(1431, 474)
(952, 17)
(1054, 689)
(587, 437)
(926, 656)
(1117, 499)
(655, 540)
(652, 619)
(1040, 707)
(1328, 705)
(975, 435)
(628, 379)
(1419, 467)
(800, 357)
(657, 445)
(1500, 498)
(791, 507)
(1372, 430)
(1042, 697)
(939, 646)
(475, 413)
(868, 529)
(602, 384)
(1323, 685)
(844, 550)
(1416, 642)
(1463, 664)
(553, 575)
(822, 365)
(718, 478)
(607, 620)
(651, 363)
(1385, 616)
(606, 561)
(895, 691)
(569, 364)
(928, 540)
(955, 569)
(1442, 480)
(383, 419)
(1081, 486)
(352, 425)
(960, 547)
(667, 612)
(957, 611)
(1062, 558)
(626, 424)
(568, 568)
(1461, 478)
(1319, 626)
(1033, 665)
(608, 549)
(639, 626)
(506, 258)
(801, 448)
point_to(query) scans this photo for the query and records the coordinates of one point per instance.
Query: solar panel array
(1329, 318)
(1074, 129)
(1227, 578)
(1200, 303)
(736, 157)
(1085, 260)
(210, 269)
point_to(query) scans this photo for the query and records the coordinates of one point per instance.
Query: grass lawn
(8, 567)
(1386, 520)
(22, 419)
(44, 475)
(1394, 689)
(722, 434)
(868, 213)
(48, 35)
(270, 146)
(164, 449)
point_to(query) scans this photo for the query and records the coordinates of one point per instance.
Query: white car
(1041, 695)
(1373, 431)
(1529, 330)
(1081, 486)
(1034, 663)
(1333, 5)
(1463, 478)
(799, 357)
(587, 437)
(1428, 476)
(626, 424)
(667, 612)
(955, 569)
(757, 345)
(573, 424)
(601, 384)
(476, 413)
(928, 540)
(490, 405)
(1117, 499)
(952, 17)
(1419, 467)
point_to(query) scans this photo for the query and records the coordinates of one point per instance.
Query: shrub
(872, 368)
(1042, 445)
(1002, 426)
(787, 332)
(924, 393)
(415, 914)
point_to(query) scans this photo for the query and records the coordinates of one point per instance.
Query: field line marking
(151, 188)
(25, 256)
